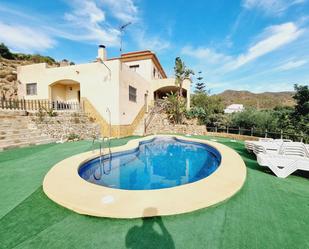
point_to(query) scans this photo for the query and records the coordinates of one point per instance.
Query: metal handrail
(101, 158)
(110, 131)
(101, 167)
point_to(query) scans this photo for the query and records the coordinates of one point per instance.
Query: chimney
(102, 55)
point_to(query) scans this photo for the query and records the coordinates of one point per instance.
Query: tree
(211, 104)
(200, 86)
(5, 52)
(302, 100)
(283, 114)
(181, 73)
(206, 108)
(301, 112)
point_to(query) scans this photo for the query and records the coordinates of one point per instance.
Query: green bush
(73, 136)
(197, 112)
(5, 52)
(210, 104)
(175, 108)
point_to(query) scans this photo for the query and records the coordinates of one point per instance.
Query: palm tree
(181, 73)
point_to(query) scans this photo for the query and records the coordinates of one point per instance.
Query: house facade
(115, 91)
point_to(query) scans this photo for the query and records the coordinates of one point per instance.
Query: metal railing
(254, 132)
(35, 105)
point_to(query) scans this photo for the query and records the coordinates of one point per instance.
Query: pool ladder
(102, 168)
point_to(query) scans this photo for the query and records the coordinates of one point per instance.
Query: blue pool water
(158, 163)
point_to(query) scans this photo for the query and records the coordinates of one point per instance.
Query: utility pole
(121, 29)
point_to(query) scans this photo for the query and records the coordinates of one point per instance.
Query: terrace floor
(268, 212)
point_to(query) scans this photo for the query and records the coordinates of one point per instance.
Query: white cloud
(25, 39)
(88, 10)
(272, 39)
(207, 54)
(87, 22)
(291, 65)
(123, 10)
(148, 42)
(271, 6)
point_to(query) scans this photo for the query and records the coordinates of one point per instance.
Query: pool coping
(63, 185)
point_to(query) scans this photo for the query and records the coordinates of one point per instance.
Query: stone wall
(160, 124)
(66, 125)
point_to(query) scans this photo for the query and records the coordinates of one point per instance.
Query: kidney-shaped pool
(162, 162)
(149, 176)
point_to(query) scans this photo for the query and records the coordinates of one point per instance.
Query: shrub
(198, 113)
(41, 114)
(50, 112)
(175, 108)
(73, 137)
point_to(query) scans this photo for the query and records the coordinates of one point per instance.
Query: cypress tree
(200, 86)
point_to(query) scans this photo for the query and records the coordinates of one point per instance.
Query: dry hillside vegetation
(266, 100)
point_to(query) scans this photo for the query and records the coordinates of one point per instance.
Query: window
(154, 73)
(134, 67)
(31, 89)
(132, 94)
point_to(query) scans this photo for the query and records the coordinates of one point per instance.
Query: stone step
(16, 131)
(9, 113)
(15, 126)
(11, 118)
(25, 144)
(26, 134)
(33, 139)
(14, 121)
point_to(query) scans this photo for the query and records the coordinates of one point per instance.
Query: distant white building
(234, 108)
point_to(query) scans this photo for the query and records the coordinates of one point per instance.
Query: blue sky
(256, 45)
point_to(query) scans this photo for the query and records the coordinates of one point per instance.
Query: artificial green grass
(268, 212)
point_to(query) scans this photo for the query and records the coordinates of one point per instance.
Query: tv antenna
(121, 29)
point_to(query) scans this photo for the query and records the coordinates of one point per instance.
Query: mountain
(266, 100)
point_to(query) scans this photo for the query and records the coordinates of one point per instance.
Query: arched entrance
(65, 91)
(162, 92)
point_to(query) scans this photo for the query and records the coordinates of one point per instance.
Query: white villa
(234, 108)
(126, 86)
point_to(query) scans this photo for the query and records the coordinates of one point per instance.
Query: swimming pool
(162, 162)
(64, 185)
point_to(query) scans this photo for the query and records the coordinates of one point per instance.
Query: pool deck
(63, 185)
(268, 212)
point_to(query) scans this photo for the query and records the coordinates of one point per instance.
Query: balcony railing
(35, 105)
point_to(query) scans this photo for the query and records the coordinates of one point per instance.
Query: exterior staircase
(17, 130)
(141, 130)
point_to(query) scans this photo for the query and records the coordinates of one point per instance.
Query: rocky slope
(8, 77)
(266, 100)
(8, 74)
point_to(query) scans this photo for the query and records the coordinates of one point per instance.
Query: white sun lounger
(272, 146)
(291, 157)
(249, 143)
